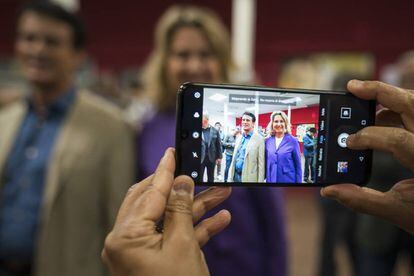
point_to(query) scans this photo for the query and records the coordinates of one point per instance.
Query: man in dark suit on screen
(211, 152)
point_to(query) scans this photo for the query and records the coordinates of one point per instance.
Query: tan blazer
(89, 171)
(254, 160)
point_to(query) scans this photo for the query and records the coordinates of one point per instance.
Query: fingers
(178, 221)
(208, 199)
(404, 191)
(362, 199)
(397, 99)
(389, 96)
(212, 226)
(164, 174)
(179, 210)
(151, 203)
(397, 141)
(388, 118)
(394, 205)
(132, 194)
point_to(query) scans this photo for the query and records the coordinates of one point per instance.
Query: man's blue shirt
(24, 178)
(308, 145)
(242, 151)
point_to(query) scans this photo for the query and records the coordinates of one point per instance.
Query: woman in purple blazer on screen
(282, 153)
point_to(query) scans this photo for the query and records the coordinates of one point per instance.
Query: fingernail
(328, 192)
(133, 186)
(323, 192)
(182, 187)
(357, 83)
(167, 151)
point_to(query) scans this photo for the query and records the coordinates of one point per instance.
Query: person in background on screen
(228, 143)
(282, 152)
(218, 126)
(192, 44)
(309, 151)
(211, 153)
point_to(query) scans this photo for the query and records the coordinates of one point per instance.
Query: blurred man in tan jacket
(65, 156)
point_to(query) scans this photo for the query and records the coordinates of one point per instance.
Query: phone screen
(234, 135)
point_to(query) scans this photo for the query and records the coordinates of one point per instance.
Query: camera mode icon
(345, 113)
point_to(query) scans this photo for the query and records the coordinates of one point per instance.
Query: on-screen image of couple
(272, 156)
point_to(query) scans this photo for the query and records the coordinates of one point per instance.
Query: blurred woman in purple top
(192, 44)
(282, 152)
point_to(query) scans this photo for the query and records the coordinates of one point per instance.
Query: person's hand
(218, 161)
(394, 133)
(136, 245)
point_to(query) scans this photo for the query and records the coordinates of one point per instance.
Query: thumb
(178, 222)
(362, 199)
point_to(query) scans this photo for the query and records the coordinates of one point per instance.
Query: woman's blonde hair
(285, 118)
(172, 20)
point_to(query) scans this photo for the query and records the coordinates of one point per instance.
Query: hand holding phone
(394, 133)
(281, 136)
(136, 243)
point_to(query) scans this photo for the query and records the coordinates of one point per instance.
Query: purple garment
(283, 164)
(254, 243)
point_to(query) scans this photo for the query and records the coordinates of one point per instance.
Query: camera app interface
(276, 137)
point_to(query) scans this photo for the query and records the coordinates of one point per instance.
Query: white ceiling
(216, 99)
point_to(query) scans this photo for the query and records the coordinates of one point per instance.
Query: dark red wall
(306, 115)
(120, 32)
(384, 28)
(122, 35)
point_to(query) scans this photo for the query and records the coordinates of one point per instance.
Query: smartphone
(257, 136)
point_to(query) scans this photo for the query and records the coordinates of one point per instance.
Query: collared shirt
(24, 178)
(206, 134)
(241, 153)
